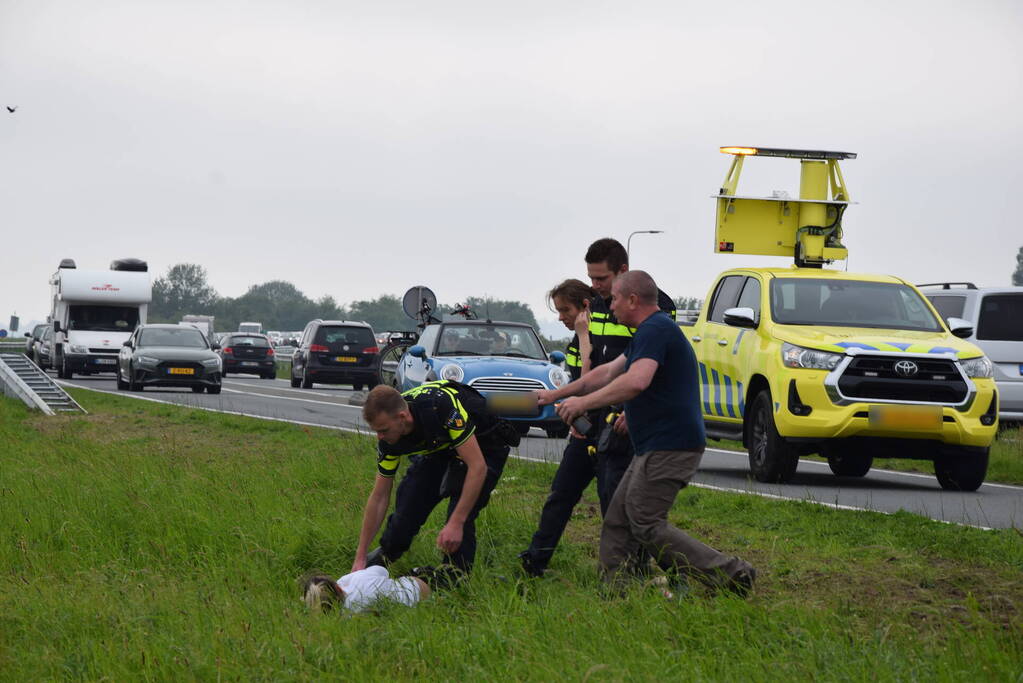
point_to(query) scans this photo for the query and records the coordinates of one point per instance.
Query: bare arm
(582, 331)
(589, 382)
(623, 388)
(372, 517)
(450, 537)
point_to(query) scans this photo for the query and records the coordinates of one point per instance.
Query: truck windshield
(850, 303)
(103, 318)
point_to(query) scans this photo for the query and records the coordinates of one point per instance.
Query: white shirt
(366, 586)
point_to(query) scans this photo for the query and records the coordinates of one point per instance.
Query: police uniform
(581, 462)
(445, 415)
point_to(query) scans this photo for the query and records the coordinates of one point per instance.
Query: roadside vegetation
(154, 541)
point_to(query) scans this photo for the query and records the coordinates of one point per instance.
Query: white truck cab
(94, 312)
(252, 328)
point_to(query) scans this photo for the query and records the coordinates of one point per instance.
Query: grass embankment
(152, 541)
(1005, 465)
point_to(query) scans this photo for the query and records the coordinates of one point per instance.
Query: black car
(336, 352)
(168, 356)
(248, 353)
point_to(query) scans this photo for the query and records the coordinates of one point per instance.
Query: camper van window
(103, 318)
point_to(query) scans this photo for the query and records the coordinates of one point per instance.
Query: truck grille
(937, 380)
(506, 384)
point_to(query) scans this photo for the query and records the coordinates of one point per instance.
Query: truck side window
(724, 297)
(750, 297)
(949, 306)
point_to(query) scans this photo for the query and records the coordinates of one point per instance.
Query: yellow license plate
(512, 403)
(181, 371)
(905, 417)
(346, 359)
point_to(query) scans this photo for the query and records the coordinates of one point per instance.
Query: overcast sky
(358, 148)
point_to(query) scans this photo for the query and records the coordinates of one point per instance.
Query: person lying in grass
(362, 589)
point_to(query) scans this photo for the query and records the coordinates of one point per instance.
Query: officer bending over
(456, 450)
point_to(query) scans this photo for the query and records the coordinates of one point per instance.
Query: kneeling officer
(456, 450)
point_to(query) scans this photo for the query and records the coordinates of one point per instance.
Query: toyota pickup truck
(805, 359)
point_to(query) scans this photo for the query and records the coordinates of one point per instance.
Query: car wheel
(963, 471)
(270, 375)
(771, 458)
(133, 383)
(295, 381)
(557, 432)
(845, 462)
(356, 387)
(213, 389)
(307, 383)
(121, 384)
(197, 389)
(371, 384)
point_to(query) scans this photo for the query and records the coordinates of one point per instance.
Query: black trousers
(575, 472)
(420, 492)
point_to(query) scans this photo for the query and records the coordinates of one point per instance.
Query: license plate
(181, 371)
(249, 362)
(512, 403)
(346, 359)
(905, 417)
(104, 361)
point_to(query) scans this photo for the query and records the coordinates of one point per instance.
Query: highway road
(991, 506)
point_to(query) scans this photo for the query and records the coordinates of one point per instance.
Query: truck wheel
(962, 471)
(62, 369)
(844, 462)
(771, 458)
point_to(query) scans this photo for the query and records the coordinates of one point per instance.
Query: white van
(252, 328)
(996, 314)
(94, 312)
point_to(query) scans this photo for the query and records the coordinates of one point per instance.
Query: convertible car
(490, 357)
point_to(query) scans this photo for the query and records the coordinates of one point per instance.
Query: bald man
(656, 378)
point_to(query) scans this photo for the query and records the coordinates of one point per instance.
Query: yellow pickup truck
(804, 359)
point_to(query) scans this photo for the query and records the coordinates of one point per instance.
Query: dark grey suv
(336, 352)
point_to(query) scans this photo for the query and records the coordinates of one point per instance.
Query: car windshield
(489, 340)
(261, 342)
(850, 303)
(103, 318)
(188, 337)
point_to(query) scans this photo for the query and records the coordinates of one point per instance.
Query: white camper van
(94, 312)
(204, 323)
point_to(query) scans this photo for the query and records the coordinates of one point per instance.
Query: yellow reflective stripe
(617, 330)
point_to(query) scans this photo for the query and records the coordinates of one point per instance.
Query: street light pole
(628, 242)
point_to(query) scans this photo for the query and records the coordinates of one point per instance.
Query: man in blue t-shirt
(656, 378)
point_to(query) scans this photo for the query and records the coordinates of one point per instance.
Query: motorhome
(204, 323)
(255, 328)
(94, 312)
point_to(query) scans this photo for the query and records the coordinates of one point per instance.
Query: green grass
(1005, 465)
(157, 542)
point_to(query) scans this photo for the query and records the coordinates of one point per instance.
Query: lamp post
(628, 242)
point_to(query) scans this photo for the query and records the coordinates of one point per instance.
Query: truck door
(718, 387)
(737, 354)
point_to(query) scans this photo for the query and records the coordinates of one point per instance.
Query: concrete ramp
(21, 378)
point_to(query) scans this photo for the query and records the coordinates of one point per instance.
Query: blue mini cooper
(488, 356)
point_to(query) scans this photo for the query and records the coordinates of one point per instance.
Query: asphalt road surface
(991, 506)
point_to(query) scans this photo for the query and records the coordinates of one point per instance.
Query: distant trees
(1017, 277)
(182, 291)
(687, 303)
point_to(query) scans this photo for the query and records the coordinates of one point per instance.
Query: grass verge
(153, 541)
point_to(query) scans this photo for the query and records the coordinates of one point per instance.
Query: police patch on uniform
(455, 420)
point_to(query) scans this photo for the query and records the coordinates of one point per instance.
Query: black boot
(376, 558)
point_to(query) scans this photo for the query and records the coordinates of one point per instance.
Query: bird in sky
(11, 109)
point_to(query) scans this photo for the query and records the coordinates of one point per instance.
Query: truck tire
(962, 471)
(771, 458)
(846, 462)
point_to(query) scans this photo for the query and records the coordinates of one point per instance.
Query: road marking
(290, 398)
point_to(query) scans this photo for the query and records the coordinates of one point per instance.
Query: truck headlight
(793, 356)
(558, 378)
(77, 348)
(979, 367)
(452, 372)
(146, 360)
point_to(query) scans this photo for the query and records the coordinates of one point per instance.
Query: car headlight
(211, 362)
(452, 372)
(979, 367)
(793, 356)
(146, 360)
(76, 348)
(558, 378)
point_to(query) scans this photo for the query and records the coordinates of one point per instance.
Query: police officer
(456, 450)
(604, 456)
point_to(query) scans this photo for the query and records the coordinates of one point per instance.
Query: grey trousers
(638, 516)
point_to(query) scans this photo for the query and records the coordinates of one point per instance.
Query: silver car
(996, 314)
(168, 356)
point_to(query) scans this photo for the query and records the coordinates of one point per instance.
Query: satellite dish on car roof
(419, 303)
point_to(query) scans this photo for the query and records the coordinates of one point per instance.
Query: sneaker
(742, 583)
(529, 565)
(671, 588)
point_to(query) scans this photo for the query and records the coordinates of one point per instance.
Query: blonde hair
(322, 593)
(383, 399)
